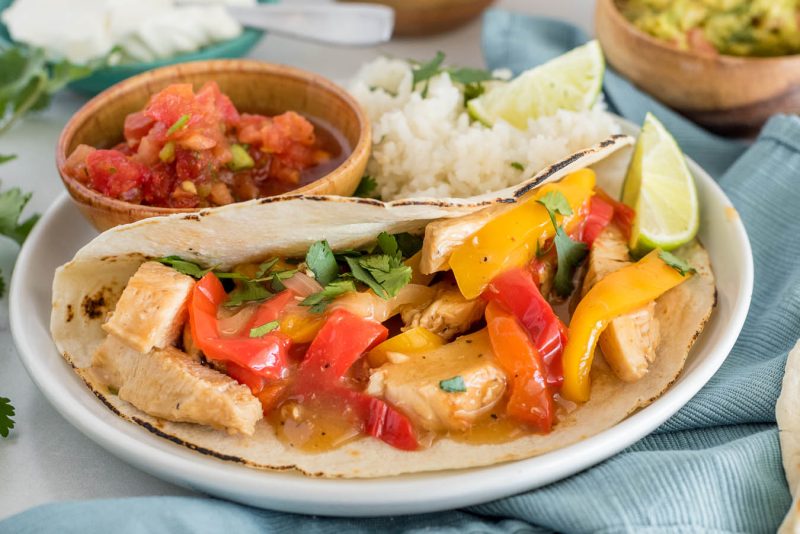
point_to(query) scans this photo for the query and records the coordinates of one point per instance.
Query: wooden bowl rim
(96, 199)
(619, 20)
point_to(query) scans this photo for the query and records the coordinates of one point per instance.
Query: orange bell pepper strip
(511, 239)
(617, 294)
(531, 399)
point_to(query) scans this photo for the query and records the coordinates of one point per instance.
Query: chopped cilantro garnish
(679, 264)
(321, 261)
(7, 157)
(6, 414)
(184, 267)
(178, 124)
(466, 75)
(388, 244)
(453, 385)
(265, 267)
(320, 300)
(409, 244)
(517, 165)
(248, 291)
(367, 188)
(555, 202)
(473, 90)
(385, 275)
(570, 252)
(264, 329)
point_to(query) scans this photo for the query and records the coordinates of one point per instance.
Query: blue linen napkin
(713, 467)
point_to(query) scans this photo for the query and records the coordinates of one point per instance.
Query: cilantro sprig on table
(570, 252)
(12, 202)
(28, 81)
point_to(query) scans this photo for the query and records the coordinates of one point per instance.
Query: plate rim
(419, 493)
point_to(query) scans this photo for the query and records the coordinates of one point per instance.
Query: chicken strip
(629, 342)
(170, 384)
(415, 385)
(152, 309)
(447, 315)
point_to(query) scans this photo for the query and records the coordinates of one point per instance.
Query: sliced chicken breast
(152, 309)
(629, 342)
(447, 315)
(170, 384)
(415, 385)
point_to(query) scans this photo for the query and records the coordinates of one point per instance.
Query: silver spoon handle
(336, 24)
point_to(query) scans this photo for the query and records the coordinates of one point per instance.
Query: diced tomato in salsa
(193, 149)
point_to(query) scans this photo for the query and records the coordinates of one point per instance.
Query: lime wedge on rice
(571, 81)
(661, 189)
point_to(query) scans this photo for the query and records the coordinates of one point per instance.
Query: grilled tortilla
(86, 289)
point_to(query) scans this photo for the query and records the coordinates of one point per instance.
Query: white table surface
(45, 459)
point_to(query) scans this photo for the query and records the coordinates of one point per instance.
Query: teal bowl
(106, 77)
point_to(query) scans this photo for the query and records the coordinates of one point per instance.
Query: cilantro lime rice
(425, 144)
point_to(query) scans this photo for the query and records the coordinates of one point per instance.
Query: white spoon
(336, 24)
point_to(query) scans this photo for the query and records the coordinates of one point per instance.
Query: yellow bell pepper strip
(301, 328)
(617, 294)
(511, 239)
(412, 341)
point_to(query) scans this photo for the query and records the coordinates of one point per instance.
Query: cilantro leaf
(248, 291)
(466, 75)
(12, 202)
(321, 261)
(570, 255)
(365, 277)
(570, 252)
(555, 202)
(517, 165)
(388, 244)
(320, 300)
(367, 188)
(184, 267)
(389, 272)
(266, 267)
(473, 90)
(409, 244)
(453, 385)
(679, 264)
(425, 71)
(7, 157)
(27, 81)
(6, 414)
(264, 329)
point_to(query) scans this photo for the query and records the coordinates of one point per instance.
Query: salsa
(730, 27)
(190, 149)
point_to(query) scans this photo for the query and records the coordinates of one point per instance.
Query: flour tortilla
(787, 413)
(86, 289)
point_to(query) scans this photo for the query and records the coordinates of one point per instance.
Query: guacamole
(730, 27)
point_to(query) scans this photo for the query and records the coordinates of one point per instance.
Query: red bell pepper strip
(342, 340)
(623, 214)
(517, 291)
(265, 356)
(599, 216)
(531, 399)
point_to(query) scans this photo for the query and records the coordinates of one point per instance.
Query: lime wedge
(571, 81)
(661, 189)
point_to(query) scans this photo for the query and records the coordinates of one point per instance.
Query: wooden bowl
(253, 87)
(426, 17)
(728, 94)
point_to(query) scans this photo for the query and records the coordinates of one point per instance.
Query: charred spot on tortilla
(191, 217)
(70, 313)
(95, 306)
(178, 441)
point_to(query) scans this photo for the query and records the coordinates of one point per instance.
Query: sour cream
(141, 30)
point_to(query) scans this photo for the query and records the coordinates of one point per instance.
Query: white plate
(62, 231)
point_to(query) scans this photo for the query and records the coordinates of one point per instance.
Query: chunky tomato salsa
(190, 149)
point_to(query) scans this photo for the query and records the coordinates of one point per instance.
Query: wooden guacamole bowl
(728, 94)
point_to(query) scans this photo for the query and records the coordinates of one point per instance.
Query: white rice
(430, 147)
